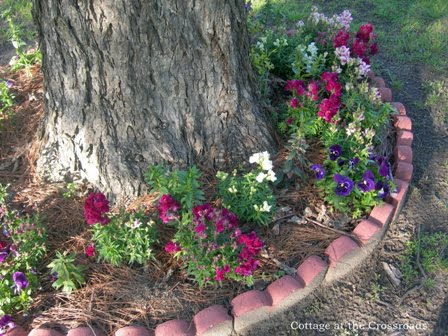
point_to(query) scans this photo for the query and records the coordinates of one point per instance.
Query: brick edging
(344, 255)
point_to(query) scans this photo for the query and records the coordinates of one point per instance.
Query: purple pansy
(9, 84)
(367, 182)
(344, 185)
(20, 282)
(384, 168)
(352, 163)
(335, 152)
(319, 171)
(383, 189)
(5, 324)
(3, 256)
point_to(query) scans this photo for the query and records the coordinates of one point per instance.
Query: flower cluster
(213, 247)
(95, 208)
(371, 176)
(265, 164)
(168, 208)
(250, 195)
(252, 245)
(330, 106)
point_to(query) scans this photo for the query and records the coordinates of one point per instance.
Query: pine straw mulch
(118, 296)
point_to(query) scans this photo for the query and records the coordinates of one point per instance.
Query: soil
(368, 296)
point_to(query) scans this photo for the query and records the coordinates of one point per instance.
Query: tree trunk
(129, 83)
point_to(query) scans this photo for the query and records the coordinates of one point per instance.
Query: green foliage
(249, 195)
(25, 58)
(183, 185)
(24, 249)
(70, 190)
(69, 275)
(128, 238)
(437, 101)
(296, 162)
(6, 101)
(433, 251)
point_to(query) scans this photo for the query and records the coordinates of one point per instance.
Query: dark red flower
(95, 207)
(341, 39)
(359, 48)
(374, 49)
(364, 32)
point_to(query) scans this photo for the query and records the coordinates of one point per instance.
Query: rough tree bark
(132, 82)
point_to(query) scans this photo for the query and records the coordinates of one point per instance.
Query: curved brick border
(344, 255)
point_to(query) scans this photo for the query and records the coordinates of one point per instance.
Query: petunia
(335, 152)
(319, 171)
(344, 185)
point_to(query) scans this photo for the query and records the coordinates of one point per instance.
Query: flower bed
(231, 238)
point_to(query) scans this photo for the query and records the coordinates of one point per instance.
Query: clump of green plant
(127, 238)
(25, 57)
(6, 99)
(22, 247)
(183, 185)
(70, 190)
(208, 240)
(250, 195)
(66, 274)
(431, 250)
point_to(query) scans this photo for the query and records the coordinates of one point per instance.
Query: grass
(433, 251)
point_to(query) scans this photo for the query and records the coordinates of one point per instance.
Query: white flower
(345, 18)
(300, 23)
(137, 223)
(271, 176)
(343, 54)
(232, 190)
(262, 159)
(351, 129)
(264, 208)
(363, 68)
(260, 177)
(260, 46)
